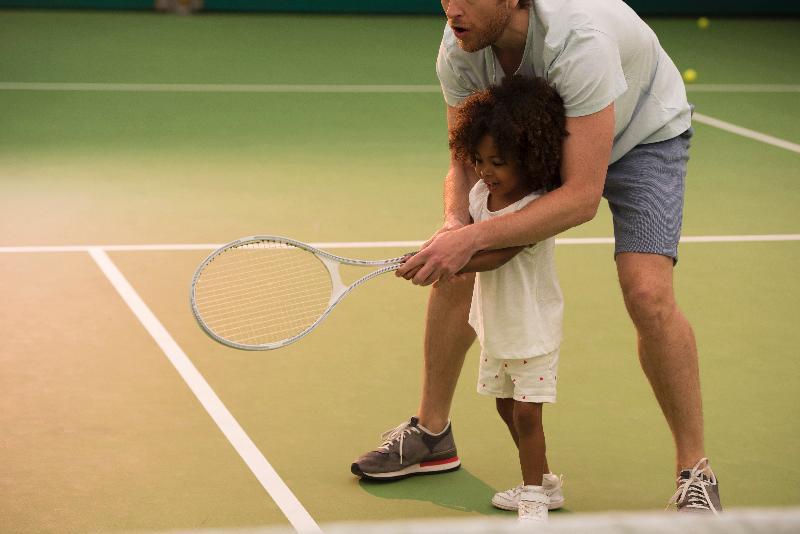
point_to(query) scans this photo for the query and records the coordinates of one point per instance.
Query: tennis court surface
(132, 143)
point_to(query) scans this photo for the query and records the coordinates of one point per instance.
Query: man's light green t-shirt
(594, 52)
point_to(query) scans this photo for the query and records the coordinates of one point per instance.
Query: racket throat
(338, 288)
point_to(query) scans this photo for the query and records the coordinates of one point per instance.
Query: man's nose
(452, 8)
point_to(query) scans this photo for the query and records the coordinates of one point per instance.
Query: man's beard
(494, 29)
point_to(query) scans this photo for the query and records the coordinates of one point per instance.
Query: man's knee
(646, 283)
(456, 291)
(456, 285)
(649, 305)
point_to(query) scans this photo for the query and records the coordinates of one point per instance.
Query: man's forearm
(543, 218)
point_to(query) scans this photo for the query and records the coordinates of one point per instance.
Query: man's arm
(586, 152)
(459, 180)
(585, 157)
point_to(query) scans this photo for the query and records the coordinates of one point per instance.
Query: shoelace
(514, 492)
(693, 489)
(398, 433)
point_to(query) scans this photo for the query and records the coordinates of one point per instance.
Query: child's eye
(498, 162)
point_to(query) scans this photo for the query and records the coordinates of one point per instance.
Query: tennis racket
(265, 292)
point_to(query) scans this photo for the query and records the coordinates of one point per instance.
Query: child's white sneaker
(509, 499)
(533, 503)
(553, 485)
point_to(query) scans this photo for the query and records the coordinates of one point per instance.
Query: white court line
(326, 88)
(266, 475)
(739, 238)
(320, 88)
(216, 88)
(744, 132)
(383, 244)
(741, 88)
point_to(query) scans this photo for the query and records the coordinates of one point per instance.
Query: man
(629, 127)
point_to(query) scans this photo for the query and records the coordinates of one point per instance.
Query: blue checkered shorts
(645, 190)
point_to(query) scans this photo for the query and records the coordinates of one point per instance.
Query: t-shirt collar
(497, 69)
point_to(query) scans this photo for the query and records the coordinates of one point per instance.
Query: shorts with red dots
(523, 379)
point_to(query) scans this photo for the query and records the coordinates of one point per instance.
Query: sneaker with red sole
(407, 450)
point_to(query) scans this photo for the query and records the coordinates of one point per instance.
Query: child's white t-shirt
(517, 309)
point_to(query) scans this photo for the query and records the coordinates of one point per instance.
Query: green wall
(715, 7)
(79, 4)
(643, 7)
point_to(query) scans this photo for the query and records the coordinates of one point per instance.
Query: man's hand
(408, 273)
(441, 257)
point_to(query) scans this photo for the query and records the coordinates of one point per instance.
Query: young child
(512, 133)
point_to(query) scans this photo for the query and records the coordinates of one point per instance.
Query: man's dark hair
(525, 117)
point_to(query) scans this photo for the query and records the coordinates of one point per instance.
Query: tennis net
(736, 521)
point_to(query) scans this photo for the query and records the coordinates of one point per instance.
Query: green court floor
(102, 434)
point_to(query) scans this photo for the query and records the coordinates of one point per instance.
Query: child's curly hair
(525, 117)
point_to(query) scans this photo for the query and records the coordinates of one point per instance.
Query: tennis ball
(703, 23)
(689, 75)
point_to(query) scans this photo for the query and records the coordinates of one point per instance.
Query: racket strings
(262, 293)
(220, 295)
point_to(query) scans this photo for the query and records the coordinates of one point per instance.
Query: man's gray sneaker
(409, 449)
(697, 491)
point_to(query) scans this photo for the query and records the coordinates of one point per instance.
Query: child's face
(501, 176)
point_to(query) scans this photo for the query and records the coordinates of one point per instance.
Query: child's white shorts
(525, 380)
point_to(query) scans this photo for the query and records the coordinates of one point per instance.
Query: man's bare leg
(448, 336)
(404, 452)
(667, 349)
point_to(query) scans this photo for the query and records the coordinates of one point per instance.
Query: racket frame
(331, 262)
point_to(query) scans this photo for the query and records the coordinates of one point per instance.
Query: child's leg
(505, 407)
(527, 421)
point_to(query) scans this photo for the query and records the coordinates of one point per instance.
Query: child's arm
(488, 260)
